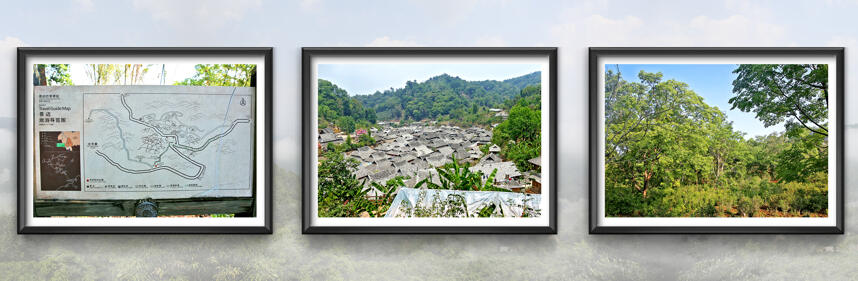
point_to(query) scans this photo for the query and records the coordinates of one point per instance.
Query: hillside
(445, 97)
(525, 80)
(335, 106)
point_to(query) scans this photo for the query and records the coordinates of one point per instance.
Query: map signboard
(136, 142)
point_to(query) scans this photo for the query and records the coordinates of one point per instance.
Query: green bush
(748, 196)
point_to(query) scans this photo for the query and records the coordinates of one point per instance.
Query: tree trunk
(43, 80)
(647, 176)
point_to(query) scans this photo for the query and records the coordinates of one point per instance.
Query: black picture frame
(307, 55)
(595, 53)
(238, 203)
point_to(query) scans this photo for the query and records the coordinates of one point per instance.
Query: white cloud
(309, 4)
(386, 41)
(450, 12)
(197, 15)
(840, 41)
(490, 41)
(735, 30)
(8, 74)
(599, 30)
(84, 5)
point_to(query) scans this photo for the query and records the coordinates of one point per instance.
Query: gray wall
(572, 254)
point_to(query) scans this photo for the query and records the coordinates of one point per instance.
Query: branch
(812, 130)
(801, 111)
(823, 86)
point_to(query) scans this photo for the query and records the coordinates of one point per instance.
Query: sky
(572, 26)
(364, 79)
(713, 82)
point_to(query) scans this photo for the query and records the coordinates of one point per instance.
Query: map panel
(160, 141)
(60, 162)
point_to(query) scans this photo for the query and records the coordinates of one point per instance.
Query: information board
(136, 142)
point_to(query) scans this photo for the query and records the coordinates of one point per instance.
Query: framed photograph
(716, 140)
(144, 140)
(429, 140)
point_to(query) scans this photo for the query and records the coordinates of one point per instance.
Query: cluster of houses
(413, 151)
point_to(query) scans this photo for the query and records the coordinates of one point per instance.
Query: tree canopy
(793, 93)
(445, 97)
(519, 136)
(239, 75)
(669, 153)
(337, 107)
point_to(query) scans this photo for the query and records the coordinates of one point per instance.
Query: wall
(572, 254)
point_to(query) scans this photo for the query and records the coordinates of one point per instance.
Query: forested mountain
(526, 80)
(445, 97)
(335, 106)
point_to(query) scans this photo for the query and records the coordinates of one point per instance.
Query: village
(414, 151)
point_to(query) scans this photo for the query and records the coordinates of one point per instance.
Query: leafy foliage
(54, 74)
(793, 93)
(341, 194)
(668, 153)
(116, 74)
(456, 176)
(520, 135)
(349, 145)
(388, 191)
(239, 75)
(445, 97)
(336, 107)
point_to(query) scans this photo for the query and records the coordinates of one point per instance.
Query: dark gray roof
(446, 151)
(536, 161)
(505, 171)
(490, 158)
(382, 176)
(326, 138)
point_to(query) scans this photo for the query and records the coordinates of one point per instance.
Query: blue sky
(713, 82)
(363, 79)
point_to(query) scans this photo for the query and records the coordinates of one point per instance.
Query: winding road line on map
(121, 133)
(174, 145)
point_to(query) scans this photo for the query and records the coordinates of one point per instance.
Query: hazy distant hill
(525, 80)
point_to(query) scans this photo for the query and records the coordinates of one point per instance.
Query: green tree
(336, 106)
(346, 124)
(102, 74)
(116, 74)
(660, 132)
(238, 75)
(519, 136)
(340, 192)
(523, 124)
(447, 98)
(793, 93)
(388, 193)
(805, 155)
(58, 75)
